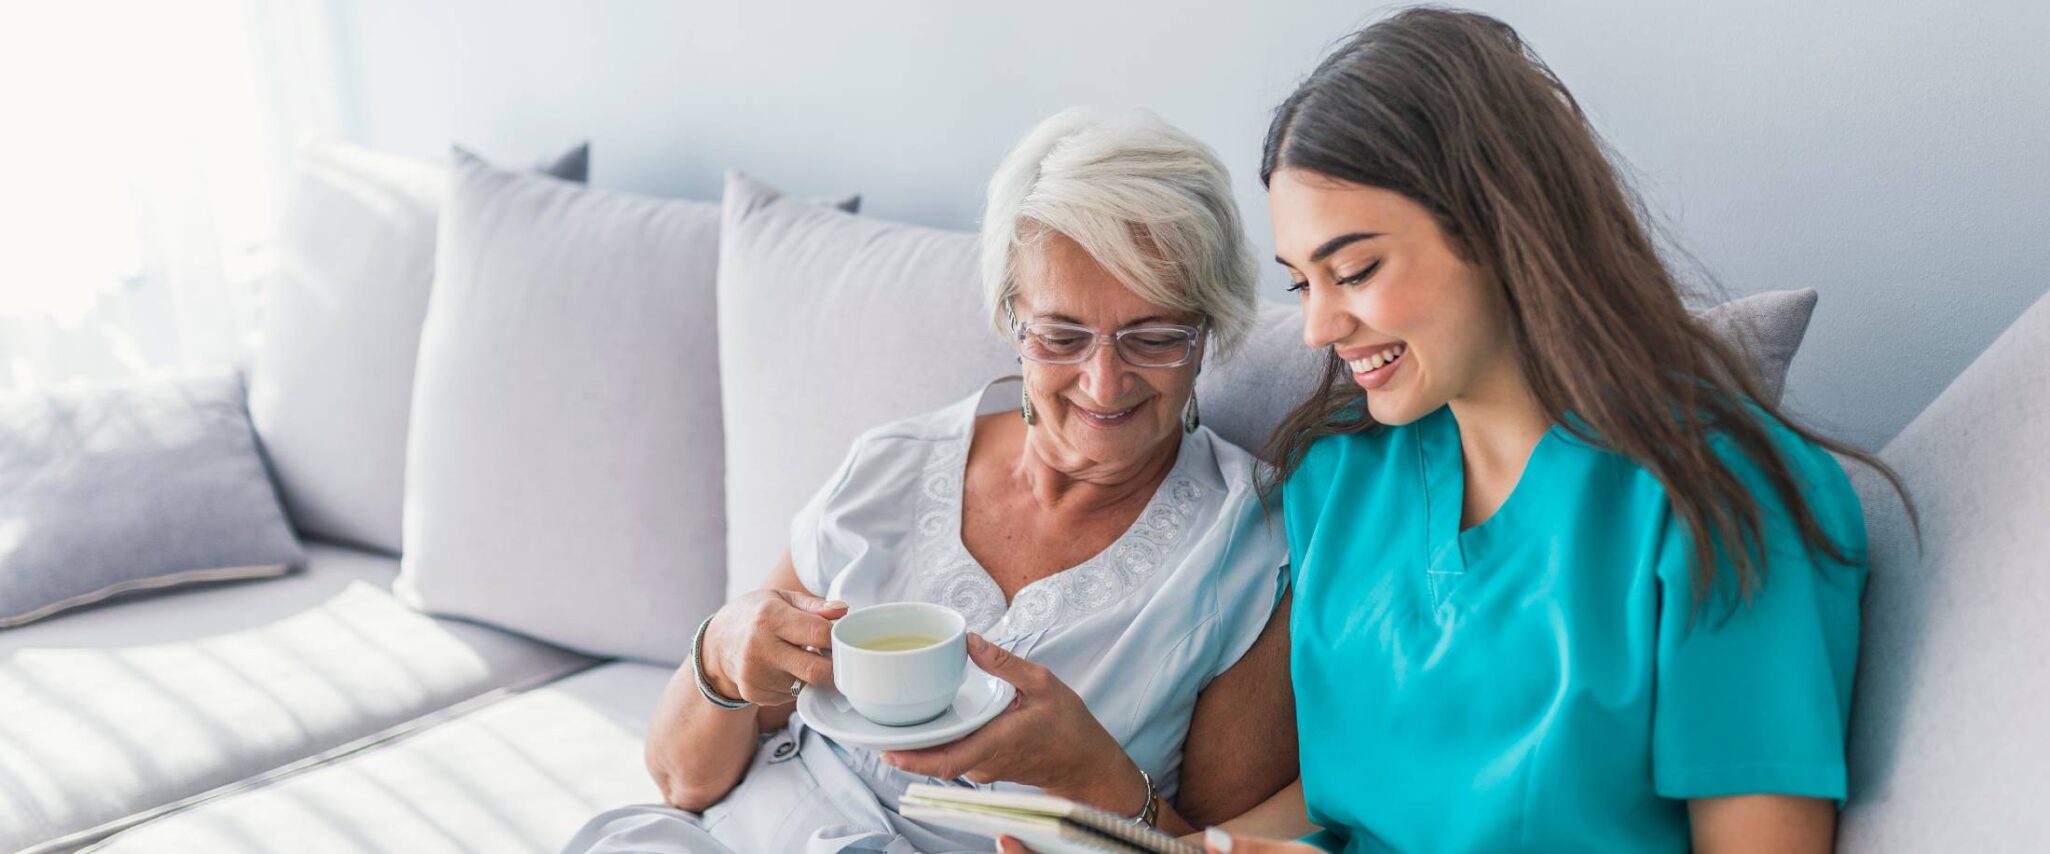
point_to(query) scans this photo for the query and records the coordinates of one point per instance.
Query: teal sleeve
(1301, 499)
(1754, 697)
(1326, 840)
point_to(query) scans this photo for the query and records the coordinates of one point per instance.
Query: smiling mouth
(1376, 369)
(1387, 356)
(1111, 418)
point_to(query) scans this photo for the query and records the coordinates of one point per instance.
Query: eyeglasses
(1051, 343)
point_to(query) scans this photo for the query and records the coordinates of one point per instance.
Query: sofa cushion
(565, 476)
(111, 713)
(830, 324)
(1768, 327)
(1948, 747)
(521, 774)
(1245, 397)
(331, 381)
(139, 484)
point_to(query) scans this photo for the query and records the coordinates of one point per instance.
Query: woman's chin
(1393, 410)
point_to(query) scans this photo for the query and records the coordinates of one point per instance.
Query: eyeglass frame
(1196, 335)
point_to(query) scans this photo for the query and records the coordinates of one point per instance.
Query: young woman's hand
(1217, 841)
(1047, 738)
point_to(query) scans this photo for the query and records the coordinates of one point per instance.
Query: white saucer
(980, 698)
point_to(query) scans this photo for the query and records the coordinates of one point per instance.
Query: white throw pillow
(565, 471)
(830, 324)
(332, 378)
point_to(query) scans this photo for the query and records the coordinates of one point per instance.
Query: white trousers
(797, 797)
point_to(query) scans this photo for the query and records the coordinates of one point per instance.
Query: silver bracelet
(697, 669)
(1149, 815)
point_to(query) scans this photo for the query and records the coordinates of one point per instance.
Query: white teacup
(900, 686)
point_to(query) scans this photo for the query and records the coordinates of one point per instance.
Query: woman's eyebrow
(1057, 317)
(1333, 245)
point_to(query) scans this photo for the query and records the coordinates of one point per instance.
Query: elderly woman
(1110, 554)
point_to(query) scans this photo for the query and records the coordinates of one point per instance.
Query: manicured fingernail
(1217, 839)
(975, 642)
(836, 604)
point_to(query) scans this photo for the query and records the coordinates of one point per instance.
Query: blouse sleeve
(1246, 549)
(1250, 583)
(1754, 697)
(818, 550)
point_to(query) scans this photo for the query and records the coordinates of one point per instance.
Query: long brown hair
(1452, 110)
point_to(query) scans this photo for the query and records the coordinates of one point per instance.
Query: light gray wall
(1887, 154)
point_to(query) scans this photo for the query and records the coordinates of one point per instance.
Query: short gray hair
(1147, 201)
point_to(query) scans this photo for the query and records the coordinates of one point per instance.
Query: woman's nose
(1325, 321)
(1103, 372)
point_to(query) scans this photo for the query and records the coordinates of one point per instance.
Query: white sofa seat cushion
(521, 774)
(112, 712)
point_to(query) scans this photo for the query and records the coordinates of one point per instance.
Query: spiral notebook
(1044, 823)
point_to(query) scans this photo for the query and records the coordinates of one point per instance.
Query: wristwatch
(712, 695)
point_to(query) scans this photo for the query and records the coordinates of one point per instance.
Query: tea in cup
(900, 664)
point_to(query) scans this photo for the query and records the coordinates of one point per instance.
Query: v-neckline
(1453, 549)
(960, 511)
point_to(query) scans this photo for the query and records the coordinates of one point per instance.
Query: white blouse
(1138, 630)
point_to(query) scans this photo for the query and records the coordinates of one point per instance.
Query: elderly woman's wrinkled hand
(1047, 738)
(756, 647)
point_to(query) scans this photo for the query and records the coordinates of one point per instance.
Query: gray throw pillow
(1244, 397)
(117, 487)
(331, 384)
(1767, 327)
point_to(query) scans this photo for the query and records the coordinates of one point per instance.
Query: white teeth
(1375, 361)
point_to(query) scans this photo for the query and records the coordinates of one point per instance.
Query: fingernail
(975, 642)
(836, 604)
(1217, 839)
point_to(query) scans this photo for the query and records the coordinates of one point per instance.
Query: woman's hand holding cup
(1048, 738)
(755, 648)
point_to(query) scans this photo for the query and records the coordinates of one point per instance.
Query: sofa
(528, 433)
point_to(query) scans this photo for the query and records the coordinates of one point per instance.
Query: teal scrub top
(1542, 681)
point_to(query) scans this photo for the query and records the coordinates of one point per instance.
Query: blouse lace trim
(950, 576)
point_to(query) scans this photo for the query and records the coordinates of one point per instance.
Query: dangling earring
(1191, 419)
(1026, 409)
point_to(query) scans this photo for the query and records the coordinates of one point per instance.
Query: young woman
(1565, 579)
